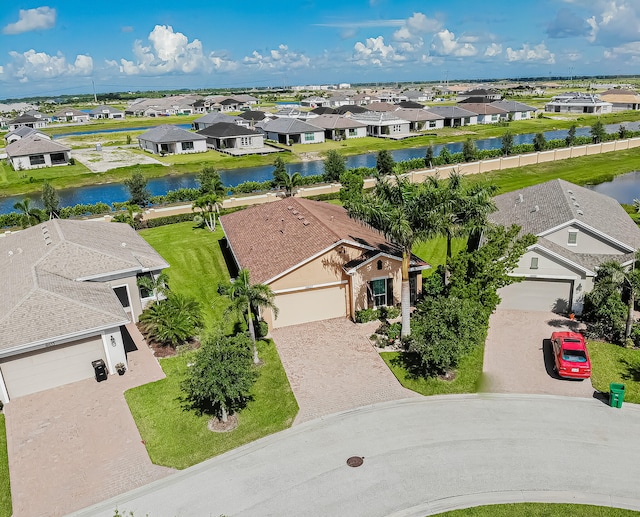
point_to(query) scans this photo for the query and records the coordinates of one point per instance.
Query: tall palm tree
(404, 213)
(210, 205)
(248, 299)
(30, 215)
(287, 181)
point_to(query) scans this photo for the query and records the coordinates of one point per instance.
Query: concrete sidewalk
(421, 456)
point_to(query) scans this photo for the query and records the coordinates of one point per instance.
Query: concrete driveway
(78, 444)
(332, 366)
(518, 356)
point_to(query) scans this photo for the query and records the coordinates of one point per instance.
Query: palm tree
(158, 285)
(210, 206)
(287, 181)
(247, 299)
(30, 215)
(403, 212)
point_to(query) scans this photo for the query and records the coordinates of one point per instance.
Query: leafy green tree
(334, 166)
(247, 300)
(507, 143)
(571, 136)
(138, 192)
(622, 132)
(539, 142)
(220, 379)
(30, 215)
(445, 155)
(401, 211)
(352, 185)
(469, 150)
(173, 321)
(133, 216)
(209, 206)
(384, 163)
(428, 157)
(287, 181)
(598, 133)
(210, 182)
(158, 285)
(50, 200)
(279, 167)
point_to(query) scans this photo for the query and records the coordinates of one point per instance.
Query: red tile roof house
(319, 262)
(68, 288)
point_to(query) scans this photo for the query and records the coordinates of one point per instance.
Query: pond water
(117, 192)
(624, 188)
(109, 131)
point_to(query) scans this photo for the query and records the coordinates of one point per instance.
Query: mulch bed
(218, 426)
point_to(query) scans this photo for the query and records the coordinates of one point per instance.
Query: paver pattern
(77, 444)
(332, 366)
(518, 356)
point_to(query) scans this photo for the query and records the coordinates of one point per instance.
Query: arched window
(379, 264)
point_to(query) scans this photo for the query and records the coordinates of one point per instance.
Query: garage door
(537, 295)
(313, 305)
(45, 369)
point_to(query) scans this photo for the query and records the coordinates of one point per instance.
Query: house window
(432, 123)
(534, 263)
(379, 292)
(123, 296)
(58, 158)
(379, 265)
(144, 293)
(245, 141)
(573, 238)
(187, 146)
(309, 137)
(352, 132)
(36, 159)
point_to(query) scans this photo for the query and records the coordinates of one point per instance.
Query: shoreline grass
(540, 510)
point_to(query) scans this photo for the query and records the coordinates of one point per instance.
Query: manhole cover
(355, 461)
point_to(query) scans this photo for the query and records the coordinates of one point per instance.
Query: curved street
(421, 456)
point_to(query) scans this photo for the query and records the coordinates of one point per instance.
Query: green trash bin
(616, 394)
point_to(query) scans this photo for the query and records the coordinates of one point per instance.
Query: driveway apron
(518, 357)
(78, 444)
(332, 366)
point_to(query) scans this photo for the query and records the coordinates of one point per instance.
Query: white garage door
(312, 305)
(51, 367)
(537, 295)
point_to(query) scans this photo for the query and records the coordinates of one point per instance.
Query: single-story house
(418, 96)
(515, 110)
(22, 132)
(391, 97)
(71, 115)
(384, 124)
(350, 108)
(106, 112)
(323, 111)
(337, 127)
(314, 102)
(26, 121)
(380, 106)
(581, 103)
(38, 114)
(420, 119)
(362, 99)
(213, 118)
(340, 99)
(488, 95)
(577, 229)
(290, 131)
(252, 117)
(168, 139)
(410, 105)
(621, 99)
(223, 136)
(68, 288)
(487, 113)
(455, 116)
(36, 152)
(319, 262)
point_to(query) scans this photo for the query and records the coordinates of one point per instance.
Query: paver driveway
(518, 356)
(75, 445)
(332, 366)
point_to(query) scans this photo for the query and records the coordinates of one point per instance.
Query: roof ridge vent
(580, 212)
(570, 192)
(576, 204)
(536, 208)
(306, 223)
(520, 198)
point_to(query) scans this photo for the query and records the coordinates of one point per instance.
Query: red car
(571, 359)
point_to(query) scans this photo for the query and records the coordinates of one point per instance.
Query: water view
(624, 188)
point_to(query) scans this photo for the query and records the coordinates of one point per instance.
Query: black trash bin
(100, 370)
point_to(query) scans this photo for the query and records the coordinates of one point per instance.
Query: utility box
(100, 370)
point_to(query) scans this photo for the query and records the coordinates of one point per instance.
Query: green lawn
(613, 363)
(434, 251)
(468, 374)
(179, 438)
(540, 510)
(5, 489)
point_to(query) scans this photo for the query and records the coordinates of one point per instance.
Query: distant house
(314, 102)
(227, 137)
(337, 127)
(252, 117)
(515, 110)
(172, 105)
(213, 118)
(391, 96)
(22, 132)
(39, 114)
(350, 108)
(418, 96)
(290, 131)
(420, 119)
(339, 99)
(410, 105)
(362, 99)
(487, 113)
(487, 95)
(381, 106)
(100, 112)
(621, 99)
(26, 121)
(580, 103)
(71, 115)
(168, 139)
(36, 152)
(455, 116)
(384, 124)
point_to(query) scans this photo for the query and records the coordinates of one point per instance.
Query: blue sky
(61, 46)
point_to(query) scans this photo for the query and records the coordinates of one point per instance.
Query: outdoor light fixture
(113, 341)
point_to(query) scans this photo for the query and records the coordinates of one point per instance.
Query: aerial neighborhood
(372, 267)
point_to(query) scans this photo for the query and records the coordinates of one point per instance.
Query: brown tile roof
(272, 238)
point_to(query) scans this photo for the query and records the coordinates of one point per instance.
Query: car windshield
(574, 356)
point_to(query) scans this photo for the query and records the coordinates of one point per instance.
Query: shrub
(262, 329)
(365, 315)
(390, 312)
(169, 219)
(171, 322)
(394, 330)
(83, 210)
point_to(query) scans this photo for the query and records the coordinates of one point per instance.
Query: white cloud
(415, 26)
(41, 18)
(444, 43)
(538, 52)
(171, 52)
(493, 50)
(32, 65)
(278, 58)
(374, 52)
(616, 22)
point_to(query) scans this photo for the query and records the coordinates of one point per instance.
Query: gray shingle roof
(98, 110)
(167, 133)
(35, 144)
(213, 118)
(417, 115)
(288, 126)
(513, 106)
(336, 122)
(452, 112)
(42, 297)
(226, 129)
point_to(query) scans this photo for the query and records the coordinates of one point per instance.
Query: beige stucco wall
(134, 294)
(587, 242)
(390, 269)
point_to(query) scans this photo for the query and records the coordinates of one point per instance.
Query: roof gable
(167, 133)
